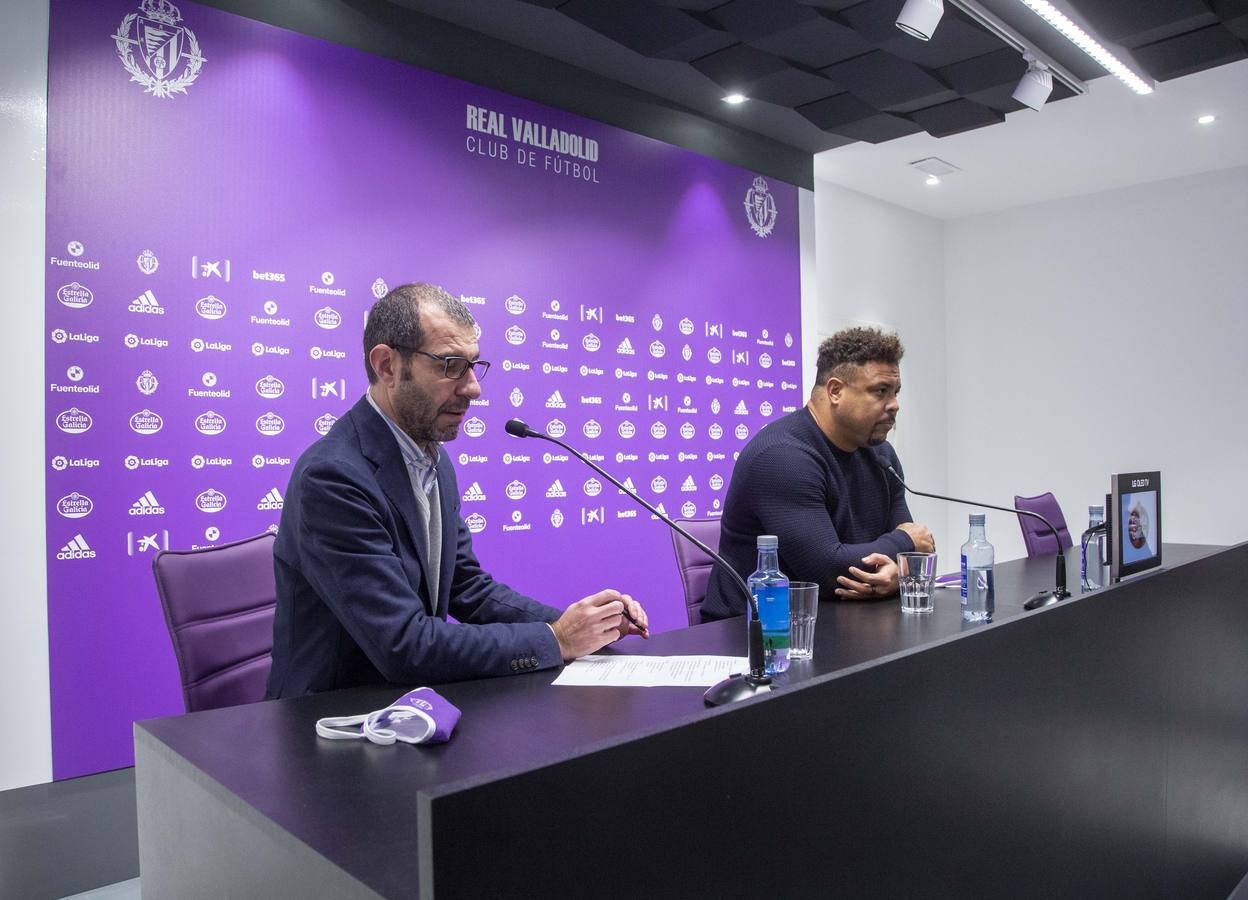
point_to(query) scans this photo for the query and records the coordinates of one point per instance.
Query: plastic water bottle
(978, 598)
(1093, 558)
(770, 588)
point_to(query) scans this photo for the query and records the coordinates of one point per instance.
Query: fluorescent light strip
(1089, 45)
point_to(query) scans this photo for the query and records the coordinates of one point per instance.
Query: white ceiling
(1108, 138)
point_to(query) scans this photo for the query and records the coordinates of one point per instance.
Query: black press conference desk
(1097, 748)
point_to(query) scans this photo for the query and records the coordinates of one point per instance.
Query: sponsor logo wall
(207, 288)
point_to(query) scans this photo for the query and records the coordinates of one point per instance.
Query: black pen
(644, 632)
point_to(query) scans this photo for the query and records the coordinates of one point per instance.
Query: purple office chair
(694, 565)
(218, 604)
(1036, 536)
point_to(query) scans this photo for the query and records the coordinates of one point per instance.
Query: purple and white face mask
(421, 716)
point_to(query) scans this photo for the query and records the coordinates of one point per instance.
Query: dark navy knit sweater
(828, 508)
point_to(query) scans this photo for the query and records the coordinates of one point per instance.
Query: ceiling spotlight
(1206, 119)
(932, 181)
(919, 18)
(1035, 85)
(735, 99)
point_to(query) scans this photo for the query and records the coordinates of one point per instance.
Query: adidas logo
(625, 348)
(474, 493)
(741, 409)
(271, 500)
(146, 303)
(689, 486)
(628, 483)
(76, 549)
(555, 401)
(556, 490)
(147, 505)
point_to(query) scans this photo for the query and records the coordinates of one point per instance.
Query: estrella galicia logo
(168, 58)
(474, 427)
(74, 295)
(270, 387)
(515, 335)
(146, 422)
(75, 506)
(74, 421)
(327, 317)
(516, 490)
(591, 429)
(556, 428)
(760, 208)
(591, 342)
(210, 423)
(210, 307)
(270, 424)
(324, 423)
(476, 523)
(686, 326)
(210, 501)
(515, 305)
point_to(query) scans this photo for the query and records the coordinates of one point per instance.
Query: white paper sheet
(650, 671)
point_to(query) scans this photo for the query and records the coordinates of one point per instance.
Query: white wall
(878, 263)
(1102, 334)
(25, 742)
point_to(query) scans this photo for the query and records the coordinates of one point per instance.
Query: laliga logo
(75, 506)
(593, 487)
(741, 432)
(627, 429)
(168, 59)
(270, 424)
(515, 335)
(592, 429)
(685, 326)
(474, 427)
(270, 387)
(327, 317)
(476, 523)
(324, 423)
(556, 428)
(210, 501)
(658, 431)
(687, 430)
(760, 208)
(591, 342)
(210, 423)
(74, 295)
(146, 422)
(515, 305)
(658, 484)
(74, 421)
(516, 490)
(657, 350)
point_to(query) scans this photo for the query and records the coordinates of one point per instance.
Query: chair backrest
(218, 604)
(694, 565)
(1036, 535)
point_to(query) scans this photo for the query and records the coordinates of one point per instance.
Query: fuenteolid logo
(159, 54)
(760, 208)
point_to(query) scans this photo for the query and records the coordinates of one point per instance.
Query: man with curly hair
(812, 479)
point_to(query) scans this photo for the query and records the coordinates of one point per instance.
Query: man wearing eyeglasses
(372, 553)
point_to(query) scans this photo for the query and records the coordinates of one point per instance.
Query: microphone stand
(734, 687)
(1035, 601)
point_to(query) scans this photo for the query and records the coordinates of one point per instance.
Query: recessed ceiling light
(734, 99)
(932, 181)
(1207, 119)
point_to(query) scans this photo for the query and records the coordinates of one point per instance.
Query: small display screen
(1135, 503)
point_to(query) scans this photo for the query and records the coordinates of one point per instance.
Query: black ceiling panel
(846, 115)
(792, 87)
(889, 84)
(663, 33)
(738, 65)
(830, 5)
(1234, 15)
(751, 20)
(1133, 23)
(955, 117)
(814, 43)
(1192, 52)
(689, 5)
(955, 39)
(875, 20)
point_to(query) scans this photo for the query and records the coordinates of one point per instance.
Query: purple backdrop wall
(211, 256)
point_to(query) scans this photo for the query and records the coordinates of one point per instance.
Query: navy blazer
(353, 602)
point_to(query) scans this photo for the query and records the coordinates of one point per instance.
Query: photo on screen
(1139, 526)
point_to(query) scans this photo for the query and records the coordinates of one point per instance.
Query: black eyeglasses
(453, 367)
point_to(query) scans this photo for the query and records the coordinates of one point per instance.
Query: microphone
(1043, 598)
(734, 687)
